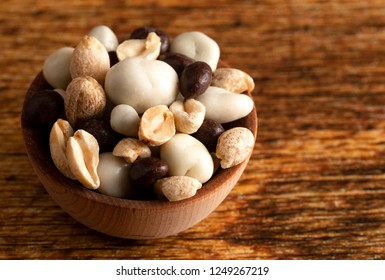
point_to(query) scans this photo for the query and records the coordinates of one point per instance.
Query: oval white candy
(198, 46)
(56, 68)
(224, 106)
(114, 176)
(125, 120)
(141, 83)
(106, 36)
(186, 156)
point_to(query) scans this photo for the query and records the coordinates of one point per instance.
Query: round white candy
(113, 173)
(141, 83)
(198, 46)
(106, 36)
(125, 120)
(56, 68)
(186, 156)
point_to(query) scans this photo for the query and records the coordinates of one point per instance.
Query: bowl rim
(42, 160)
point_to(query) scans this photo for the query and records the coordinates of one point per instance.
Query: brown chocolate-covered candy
(195, 79)
(208, 133)
(43, 108)
(101, 129)
(144, 172)
(177, 61)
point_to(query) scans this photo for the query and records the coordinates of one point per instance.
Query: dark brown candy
(113, 58)
(177, 61)
(43, 108)
(195, 79)
(142, 32)
(100, 128)
(144, 172)
(208, 133)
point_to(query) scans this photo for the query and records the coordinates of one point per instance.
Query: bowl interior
(76, 199)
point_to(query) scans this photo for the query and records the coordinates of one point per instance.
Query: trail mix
(142, 118)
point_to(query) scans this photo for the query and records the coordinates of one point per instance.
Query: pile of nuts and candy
(142, 118)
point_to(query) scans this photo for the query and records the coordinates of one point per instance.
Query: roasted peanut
(90, 58)
(60, 132)
(142, 33)
(157, 126)
(130, 149)
(234, 146)
(189, 115)
(84, 99)
(83, 158)
(148, 48)
(233, 80)
(176, 188)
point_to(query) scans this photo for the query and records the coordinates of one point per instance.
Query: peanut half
(131, 149)
(189, 115)
(148, 48)
(83, 158)
(60, 132)
(157, 126)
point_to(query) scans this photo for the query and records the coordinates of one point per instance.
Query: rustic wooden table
(315, 186)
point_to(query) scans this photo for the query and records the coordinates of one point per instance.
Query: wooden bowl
(133, 219)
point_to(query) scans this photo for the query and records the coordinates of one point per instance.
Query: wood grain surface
(315, 185)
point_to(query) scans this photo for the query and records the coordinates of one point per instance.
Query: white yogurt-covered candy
(186, 156)
(56, 68)
(106, 36)
(125, 120)
(224, 106)
(114, 176)
(141, 83)
(198, 46)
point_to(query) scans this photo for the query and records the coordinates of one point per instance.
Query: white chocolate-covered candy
(114, 176)
(125, 120)
(186, 156)
(141, 83)
(198, 46)
(106, 36)
(224, 106)
(56, 68)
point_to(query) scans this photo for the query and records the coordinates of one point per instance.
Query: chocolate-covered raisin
(43, 108)
(208, 133)
(100, 128)
(195, 79)
(177, 61)
(144, 172)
